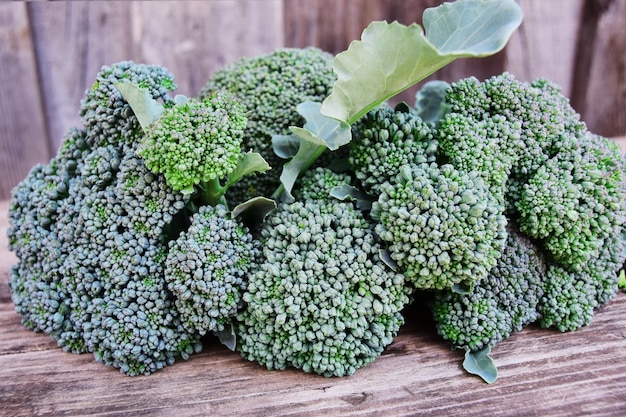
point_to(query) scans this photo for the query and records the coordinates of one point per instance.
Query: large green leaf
(391, 57)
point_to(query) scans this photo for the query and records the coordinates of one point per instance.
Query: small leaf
(385, 256)
(318, 134)
(145, 107)
(322, 129)
(430, 101)
(180, 99)
(254, 211)
(249, 163)
(285, 146)
(227, 337)
(347, 192)
(307, 154)
(481, 364)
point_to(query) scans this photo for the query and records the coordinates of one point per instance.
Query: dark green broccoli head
(486, 145)
(444, 227)
(498, 305)
(195, 142)
(321, 300)
(572, 295)
(107, 117)
(270, 87)
(575, 201)
(385, 140)
(207, 269)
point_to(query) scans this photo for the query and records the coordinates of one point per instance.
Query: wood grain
(23, 136)
(542, 373)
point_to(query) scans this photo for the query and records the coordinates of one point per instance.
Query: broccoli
(102, 236)
(321, 299)
(498, 305)
(571, 295)
(443, 225)
(575, 201)
(270, 87)
(196, 143)
(386, 139)
(206, 269)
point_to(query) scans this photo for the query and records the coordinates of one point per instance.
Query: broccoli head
(270, 87)
(207, 269)
(383, 141)
(443, 226)
(498, 305)
(321, 299)
(196, 142)
(107, 117)
(575, 202)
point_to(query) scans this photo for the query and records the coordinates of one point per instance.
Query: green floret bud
(207, 269)
(317, 183)
(270, 87)
(196, 142)
(321, 300)
(443, 226)
(500, 304)
(383, 141)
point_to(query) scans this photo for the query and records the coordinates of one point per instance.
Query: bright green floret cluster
(385, 140)
(207, 269)
(196, 142)
(322, 300)
(270, 86)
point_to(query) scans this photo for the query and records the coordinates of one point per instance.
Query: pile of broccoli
(150, 229)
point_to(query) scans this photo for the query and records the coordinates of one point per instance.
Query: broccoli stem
(213, 193)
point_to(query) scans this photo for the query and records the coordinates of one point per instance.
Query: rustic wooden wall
(50, 52)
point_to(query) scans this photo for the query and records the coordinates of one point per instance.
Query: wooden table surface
(542, 373)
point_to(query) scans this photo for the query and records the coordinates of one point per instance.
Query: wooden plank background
(51, 51)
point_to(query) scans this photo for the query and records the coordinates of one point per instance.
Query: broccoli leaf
(285, 146)
(145, 107)
(249, 163)
(254, 211)
(227, 336)
(318, 134)
(350, 193)
(430, 101)
(481, 364)
(391, 57)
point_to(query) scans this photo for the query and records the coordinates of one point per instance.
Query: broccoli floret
(317, 184)
(486, 145)
(572, 295)
(505, 128)
(443, 226)
(500, 304)
(383, 141)
(107, 117)
(321, 299)
(207, 269)
(197, 142)
(575, 202)
(271, 86)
